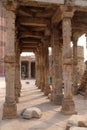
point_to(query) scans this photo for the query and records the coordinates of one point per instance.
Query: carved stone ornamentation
(68, 106)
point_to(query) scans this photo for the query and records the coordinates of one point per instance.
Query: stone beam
(30, 45)
(31, 48)
(28, 50)
(80, 2)
(81, 8)
(58, 16)
(29, 28)
(30, 34)
(36, 11)
(41, 22)
(80, 19)
(30, 40)
(40, 2)
(23, 13)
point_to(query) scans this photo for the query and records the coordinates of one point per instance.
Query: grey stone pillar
(68, 106)
(9, 108)
(57, 68)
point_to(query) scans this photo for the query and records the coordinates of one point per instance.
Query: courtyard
(31, 96)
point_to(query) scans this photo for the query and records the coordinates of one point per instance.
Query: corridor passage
(51, 118)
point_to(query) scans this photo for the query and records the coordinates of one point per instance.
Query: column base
(9, 111)
(57, 99)
(47, 91)
(68, 107)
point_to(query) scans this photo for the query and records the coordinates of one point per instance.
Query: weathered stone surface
(77, 120)
(9, 111)
(78, 128)
(32, 112)
(68, 107)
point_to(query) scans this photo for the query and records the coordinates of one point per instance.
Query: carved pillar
(17, 73)
(29, 69)
(9, 108)
(68, 106)
(42, 83)
(36, 57)
(75, 69)
(37, 69)
(46, 68)
(85, 96)
(57, 68)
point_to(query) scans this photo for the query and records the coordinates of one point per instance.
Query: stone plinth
(9, 111)
(68, 107)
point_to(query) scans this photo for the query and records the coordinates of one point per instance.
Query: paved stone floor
(52, 119)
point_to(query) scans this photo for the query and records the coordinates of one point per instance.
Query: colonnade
(62, 67)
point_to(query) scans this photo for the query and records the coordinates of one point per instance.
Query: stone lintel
(9, 59)
(9, 111)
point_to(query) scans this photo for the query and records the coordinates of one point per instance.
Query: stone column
(46, 69)
(17, 73)
(37, 69)
(57, 68)
(42, 83)
(36, 82)
(75, 69)
(9, 108)
(68, 106)
(29, 69)
(85, 95)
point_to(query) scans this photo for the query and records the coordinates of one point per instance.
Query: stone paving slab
(31, 96)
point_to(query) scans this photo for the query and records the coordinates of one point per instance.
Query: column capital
(68, 14)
